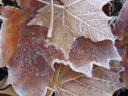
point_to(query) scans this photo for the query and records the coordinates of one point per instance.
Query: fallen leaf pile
(62, 47)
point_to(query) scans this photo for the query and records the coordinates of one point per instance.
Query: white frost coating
(118, 57)
(59, 61)
(101, 3)
(19, 88)
(1, 2)
(106, 65)
(3, 18)
(11, 77)
(50, 30)
(97, 3)
(48, 43)
(87, 70)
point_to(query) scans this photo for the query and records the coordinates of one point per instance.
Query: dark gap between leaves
(11, 3)
(53, 94)
(121, 92)
(1, 22)
(4, 95)
(3, 73)
(112, 8)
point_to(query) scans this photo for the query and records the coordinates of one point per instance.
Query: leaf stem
(49, 35)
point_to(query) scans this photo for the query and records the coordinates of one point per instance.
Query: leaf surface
(72, 21)
(30, 71)
(70, 83)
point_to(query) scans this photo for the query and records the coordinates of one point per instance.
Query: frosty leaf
(9, 32)
(29, 65)
(61, 39)
(122, 23)
(70, 83)
(121, 26)
(73, 19)
(30, 71)
(84, 53)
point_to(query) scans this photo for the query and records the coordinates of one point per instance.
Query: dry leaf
(70, 83)
(85, 53)
(73, 19)
(9, 32)
(30, 71)
(31, 58)
(71, 22)
(121, 27)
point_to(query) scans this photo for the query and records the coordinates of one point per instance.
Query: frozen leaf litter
(68, 32)
(68, 20)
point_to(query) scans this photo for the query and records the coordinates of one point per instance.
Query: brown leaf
(10, 32)
(29, 5)
(72, 19)
(31, 59)
(11, 27)
(124, 77)
(30, 71)
(72, 22)
(122, 45)
(85, 53)
(70, 83)
(121, 26)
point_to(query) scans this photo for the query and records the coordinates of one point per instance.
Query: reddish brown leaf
(122, 45)
(10, 32)
(29, 5)
(15, 19)
(85, 53)
(30, 59)
(121, 26)
(30, 71)
(124, 77)
(70, 83)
